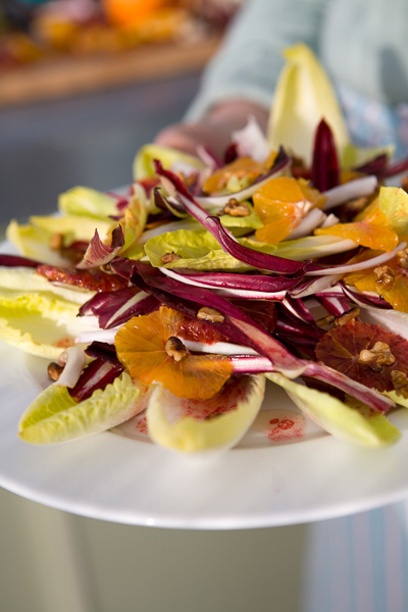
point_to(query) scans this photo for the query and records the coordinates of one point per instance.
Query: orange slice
(373, 231)
(243, 169)
(143, 346)
(281, 204)
(389, 281)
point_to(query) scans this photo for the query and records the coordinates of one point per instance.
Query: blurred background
(83, 84)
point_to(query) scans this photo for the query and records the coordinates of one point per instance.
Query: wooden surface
(56, 78)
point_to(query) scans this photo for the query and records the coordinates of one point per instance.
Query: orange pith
(141, 347)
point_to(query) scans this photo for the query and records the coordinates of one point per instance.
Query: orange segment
(279, 222)
(243, 169)
(389, 281)
(197, 376)
(281, 203)
(373, 231)
(141, 346)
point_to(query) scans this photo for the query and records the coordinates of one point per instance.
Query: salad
(180, 298)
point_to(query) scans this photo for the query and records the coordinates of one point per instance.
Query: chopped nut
(400, 382)
(384, 275)
(56, 242)
(403, 258)
(54, 370)
(188, 179)
(347, 316)
(377, 357)
(325, 322)
(210, 314)
(169, 257)
(175, 348)
(234, 208)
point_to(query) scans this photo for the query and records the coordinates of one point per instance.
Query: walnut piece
(234, 208)
(210, 314)
(377, 357)
(175, 348)
(384, 275)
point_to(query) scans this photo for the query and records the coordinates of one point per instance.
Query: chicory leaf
(190, 426)
(358, 426)
(303, 96)
(54, 416)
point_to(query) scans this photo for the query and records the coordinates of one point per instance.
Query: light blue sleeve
(250, 59)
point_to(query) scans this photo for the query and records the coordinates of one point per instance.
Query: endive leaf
(143, 166)
(199, 250)
(27, 279)
(39, 323)
(359, 427)
(33, 242)
(393, 201)
(303, 97)
(74, 227)
(54, 416)
(88, 202)
(219, 423)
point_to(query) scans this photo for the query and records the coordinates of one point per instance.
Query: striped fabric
(358, 563)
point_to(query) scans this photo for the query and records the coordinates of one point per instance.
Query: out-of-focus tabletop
(69, 75)
(83, 86)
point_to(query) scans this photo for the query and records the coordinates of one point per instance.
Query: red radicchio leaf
(96, 375)
(98, 253)
(325, 166)
(341, 348)
(12, 261)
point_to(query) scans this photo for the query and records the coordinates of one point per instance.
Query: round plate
(285, 470)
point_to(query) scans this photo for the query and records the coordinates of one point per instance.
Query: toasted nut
(175, 348)
(169, 257)
(234, 208)
(384, 275)
(210, 314)
(326, 322)
(56, 242)
(400, 382)
(403, 258)
(54, 370)
(190, 179)
(347, 316)
(377, 357)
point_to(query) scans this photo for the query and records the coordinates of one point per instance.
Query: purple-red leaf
(325, 165)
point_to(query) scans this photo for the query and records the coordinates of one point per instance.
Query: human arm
(241, 78)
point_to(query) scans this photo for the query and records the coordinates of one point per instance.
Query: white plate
(122, 477)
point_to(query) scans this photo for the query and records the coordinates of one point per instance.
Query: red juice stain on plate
(141, 425)
(286, 427)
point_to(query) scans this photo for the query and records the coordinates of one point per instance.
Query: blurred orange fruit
(131, 12)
